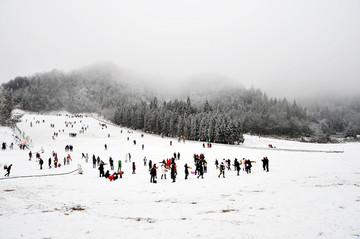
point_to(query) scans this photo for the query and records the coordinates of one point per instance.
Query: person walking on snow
(49, 163)
(153, 174)
(173, 172)
(41, 162)
(8, 170)
(186, 171)
(111, 162)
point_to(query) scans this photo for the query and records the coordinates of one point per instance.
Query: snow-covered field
(305, 195)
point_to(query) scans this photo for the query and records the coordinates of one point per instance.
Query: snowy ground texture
(313, 194)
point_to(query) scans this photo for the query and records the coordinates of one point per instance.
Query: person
(237, 166)
(173, 172)
(98, 160)
(105, 147)
(222, 170)
(94, 161)
(41, 162)
(129, 157)
(150, 165)
(170, 143)
(133, 168)
(228, 164)
(142, 146)
(30, 155)
(248, 165)
(178, 155)
(163, 171)
(217, 163)
(3, 146)
(205, 166)
(11, 145)
(49, 163)
(265, 161)
(107, 174)
(145, 161)
(111, 161)
(55, 162)
(8, 170)
(186, 171)
(86, 157)
(200, 169)
(153, 174)
(101, 170)
(119, 165)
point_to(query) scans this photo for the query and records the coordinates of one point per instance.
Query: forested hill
(220, 115)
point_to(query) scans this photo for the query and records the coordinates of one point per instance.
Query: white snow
(314, 194)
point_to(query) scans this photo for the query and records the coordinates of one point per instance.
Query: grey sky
(283, 47)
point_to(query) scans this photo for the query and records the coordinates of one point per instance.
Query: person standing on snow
(153, 174)
(30, 155)
(41, 162)
(94, 161)
(265, 161)
(150, 165)
(133, 168)
(217, 163)
(186, 171)
(49, 163)
(237, 166)
(111, 161)
(222, 170)
(173, 172)
(163, 171)
(119, 165)
(101, 169)
(145, 161)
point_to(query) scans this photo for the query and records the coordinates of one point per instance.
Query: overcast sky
(283, 47)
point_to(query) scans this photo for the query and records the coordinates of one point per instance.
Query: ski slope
(313, 194)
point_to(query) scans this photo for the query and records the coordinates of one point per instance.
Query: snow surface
(314, 194)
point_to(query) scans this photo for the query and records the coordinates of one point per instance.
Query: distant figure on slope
(105, 146)
(49, 163)
(30, 155)
(200, 169)
(222, 170)
(8, 170)
(145, 161)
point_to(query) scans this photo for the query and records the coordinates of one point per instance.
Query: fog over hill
(201, 103)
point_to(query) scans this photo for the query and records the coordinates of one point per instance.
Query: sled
(192, 172)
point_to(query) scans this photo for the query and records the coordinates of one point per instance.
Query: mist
(287, 49)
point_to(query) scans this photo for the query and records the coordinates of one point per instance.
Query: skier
(133, 168)
(111, 161)
(153, 174)
(173, 172)
(186, 171)
(222, 170)
(8, 170)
